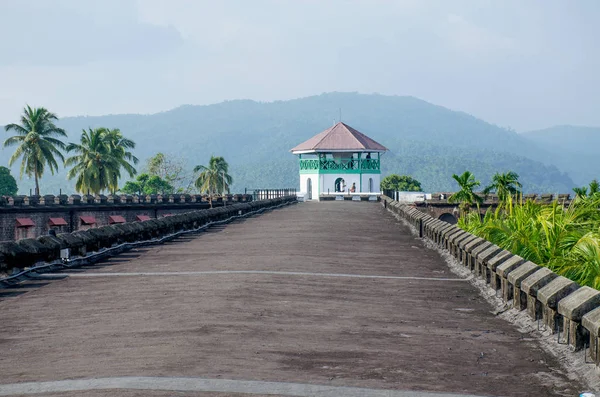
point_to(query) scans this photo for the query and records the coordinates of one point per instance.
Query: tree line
(101, 158)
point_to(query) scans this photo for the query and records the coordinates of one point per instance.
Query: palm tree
(213, 179)
(118, 146)
(38, 143)
(505, 185)
(466, 196)
(98, 160)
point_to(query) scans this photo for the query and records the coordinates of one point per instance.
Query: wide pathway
(328, 299)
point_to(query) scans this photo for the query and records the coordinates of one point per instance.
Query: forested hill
(427, 141)
(573, 149)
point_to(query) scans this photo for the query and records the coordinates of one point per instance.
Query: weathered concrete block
(441, 232)
(492, 264)
(446, 234)
(591, 322)
(502, 272)
(531, 285)
(469, 247)
(457, 243)
(461, 247)
(482, 258)
(550, 295)
(515, 279)
(572, 308)
(472, 255)
(450, 237)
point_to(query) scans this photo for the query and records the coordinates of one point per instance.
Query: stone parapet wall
(31, 251)
(34, 216)
(565, 308)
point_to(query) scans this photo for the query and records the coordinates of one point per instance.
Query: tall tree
(119, 149)
(505, 185)
(38, 143)
(214, 178)
(466, 196)
(8, 184)
(172, 170)
(98, 160)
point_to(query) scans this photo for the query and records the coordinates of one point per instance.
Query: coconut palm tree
(98, 160)
(38, 143)
(505, 185)
(214, 178)
(466, 197)
(118, 147)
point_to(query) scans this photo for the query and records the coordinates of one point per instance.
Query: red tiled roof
(25, 222)
(88, 220)
(57, 222)
(143, 217)
(340, 137)
(116, 219)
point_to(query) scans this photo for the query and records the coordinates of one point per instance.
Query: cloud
(71, 32)
(470, 38)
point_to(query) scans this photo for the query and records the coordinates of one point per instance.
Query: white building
(339, 161)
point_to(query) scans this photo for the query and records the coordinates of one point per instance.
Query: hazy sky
(519, 63)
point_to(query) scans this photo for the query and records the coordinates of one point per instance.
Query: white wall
(376, 182)
(328, 182)
(315, 185)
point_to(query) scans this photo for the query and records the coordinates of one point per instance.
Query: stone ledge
(537, 280)
(556, 290)
(578, 303)
(509, 265)
(521, 273)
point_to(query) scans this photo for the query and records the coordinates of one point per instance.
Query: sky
(518, 64)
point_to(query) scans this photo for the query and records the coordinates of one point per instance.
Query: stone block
(483, 257)
(572, 308)
(515, 279)
(531, 285)
(457, 242)
(441, 232)
(502, 272)
(492, 264)
(461, 246)
(550, 295)
(472, 255)
(468, 248)
(449, 237)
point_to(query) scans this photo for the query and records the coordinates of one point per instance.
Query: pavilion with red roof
(339, 161)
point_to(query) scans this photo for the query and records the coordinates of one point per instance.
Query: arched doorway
(370, 185)
(448, 218)
(340, 185)
(309, 189)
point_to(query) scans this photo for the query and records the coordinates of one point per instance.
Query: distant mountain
(573, 149)
(428, 141)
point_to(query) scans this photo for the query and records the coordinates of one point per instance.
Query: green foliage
(37, 143)
(504, 185)
(582, 192)
(214, 178)
(98, 160)
(566, 240)
(465, 195)
(8, 184)
(402, 183)
(146, 184)
(171, 171)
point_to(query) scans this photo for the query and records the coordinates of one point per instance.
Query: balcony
(334, 166)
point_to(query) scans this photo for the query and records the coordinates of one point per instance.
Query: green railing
(340, 165)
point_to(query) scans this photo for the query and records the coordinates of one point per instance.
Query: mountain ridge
(255, 137)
